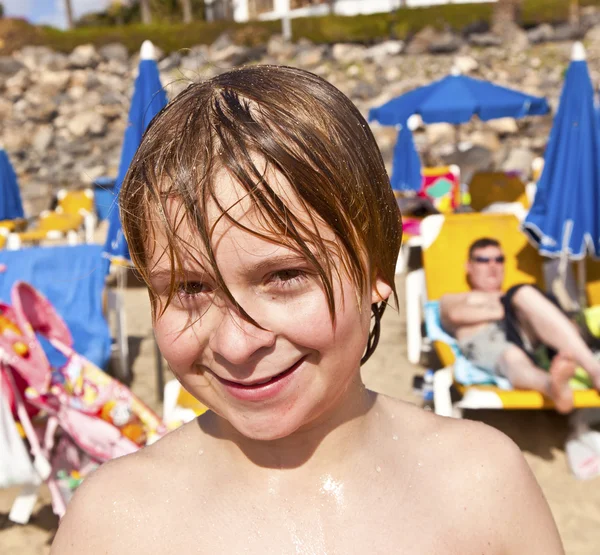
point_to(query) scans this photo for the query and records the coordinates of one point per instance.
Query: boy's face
(272, 381)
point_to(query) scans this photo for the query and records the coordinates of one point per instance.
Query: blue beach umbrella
(11, 206)
(564, 220)
(148, 99)
(456, 99)
(406, 173)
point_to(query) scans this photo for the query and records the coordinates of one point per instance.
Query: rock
(15, 138)
(503, 126)
(170, 62)
(593, 35)
(223, 41)
(465, 64)
(41, 111)
(84, 56)
(38, 57)
(440, 133)
(89, 174)
(486, 138)
(567, 31)
(53, 82)
(541, 33)
(310, 57)
(232, 55)
(422, 41)
(348, 53)
(380, 53)
(280, 49)
(9, 66)
(485, 39)
(42, 138)
(363, 90)
(87, 123)
(6, 107)
(445, 43)
(520, 160)
(114, 51)
(470, 161)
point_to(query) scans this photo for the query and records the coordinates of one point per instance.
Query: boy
(259, 212)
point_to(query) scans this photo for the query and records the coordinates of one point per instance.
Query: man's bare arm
(472, 308)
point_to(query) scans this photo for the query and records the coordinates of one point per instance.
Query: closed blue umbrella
(148, 99)
(406, 173)
(564, 220)
(11, 206)
(456, 99)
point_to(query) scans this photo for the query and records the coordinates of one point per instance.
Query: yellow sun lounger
(445, 243)
(50, 226)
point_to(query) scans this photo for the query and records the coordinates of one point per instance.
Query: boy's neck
(340, 432)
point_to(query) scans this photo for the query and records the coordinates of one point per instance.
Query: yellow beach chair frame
(445, 243)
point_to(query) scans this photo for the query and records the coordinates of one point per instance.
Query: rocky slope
(62, 117)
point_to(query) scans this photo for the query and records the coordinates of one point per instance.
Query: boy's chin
(268, 427)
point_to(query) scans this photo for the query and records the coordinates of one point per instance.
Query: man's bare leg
(520, 371)
(552, 328)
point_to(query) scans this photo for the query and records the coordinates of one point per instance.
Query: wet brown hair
(302, 127)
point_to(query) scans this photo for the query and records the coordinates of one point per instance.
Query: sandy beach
(540, 435)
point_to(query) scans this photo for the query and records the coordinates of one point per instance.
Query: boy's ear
(380, 291)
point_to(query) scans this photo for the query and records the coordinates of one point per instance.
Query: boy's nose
(237, 340)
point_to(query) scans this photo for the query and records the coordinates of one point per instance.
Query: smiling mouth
(263, 383)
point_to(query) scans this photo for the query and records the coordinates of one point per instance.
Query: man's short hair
(482, 244)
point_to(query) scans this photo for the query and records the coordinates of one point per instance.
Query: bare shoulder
(484, 478)
(113, 510)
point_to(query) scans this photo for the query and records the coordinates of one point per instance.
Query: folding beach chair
(78, 203)
(446, 240)
(502, 191)
(49, 227)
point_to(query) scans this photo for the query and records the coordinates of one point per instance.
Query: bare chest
(384, 522)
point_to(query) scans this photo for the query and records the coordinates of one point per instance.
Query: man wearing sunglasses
(499, 331)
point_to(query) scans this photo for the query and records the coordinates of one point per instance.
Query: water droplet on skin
(393, 416)
(201, 452)
(419, 464)
(378, 469)
(395, 437)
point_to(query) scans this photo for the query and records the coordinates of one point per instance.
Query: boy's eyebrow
(275, 260)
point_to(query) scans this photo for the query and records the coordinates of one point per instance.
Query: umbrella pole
(581, 280)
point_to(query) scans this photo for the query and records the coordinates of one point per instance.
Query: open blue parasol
(11, 206)
(149, 98)
(456, 99)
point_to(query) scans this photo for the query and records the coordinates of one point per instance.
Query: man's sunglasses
(488, 259)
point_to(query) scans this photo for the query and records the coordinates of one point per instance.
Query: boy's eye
(285, 278)
(192, 288)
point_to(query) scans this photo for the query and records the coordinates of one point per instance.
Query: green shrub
(366, 29)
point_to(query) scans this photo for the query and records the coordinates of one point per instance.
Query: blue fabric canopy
(11, 206)
(456, 99)
(148, 99)
(406, 173)
(565, 216)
